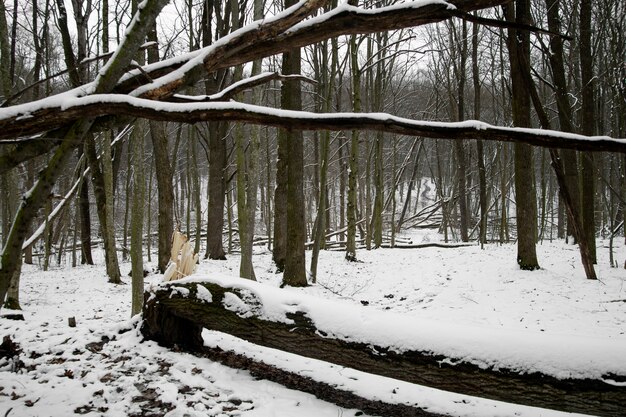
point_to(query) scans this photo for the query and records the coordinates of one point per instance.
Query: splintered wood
(183, 260)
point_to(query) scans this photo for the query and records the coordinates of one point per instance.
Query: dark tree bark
(321, 390)
(588, 127)
(279, 250)
(176, 319)
(85, 224)
(525, 195)
(459, 150)
(164, 177)
(568, 157)
(217, 190)
(217, 152)
(107, 231)
(295, 273)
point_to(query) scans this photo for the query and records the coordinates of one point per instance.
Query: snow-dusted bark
(504, 365)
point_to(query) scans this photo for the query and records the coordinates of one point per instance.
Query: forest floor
(102, 367)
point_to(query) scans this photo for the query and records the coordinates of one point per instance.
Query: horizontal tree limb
(429, 245)
(26, 120)
(176, 314)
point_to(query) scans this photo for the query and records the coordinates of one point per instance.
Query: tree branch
(55, 115)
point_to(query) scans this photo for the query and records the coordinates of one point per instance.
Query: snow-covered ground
(101, 367)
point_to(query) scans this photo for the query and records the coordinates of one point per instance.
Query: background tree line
(230, 186)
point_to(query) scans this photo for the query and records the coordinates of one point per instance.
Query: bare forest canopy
(137, 92)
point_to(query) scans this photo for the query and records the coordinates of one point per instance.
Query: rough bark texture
(217, 190)
(164, 177)
(291, 98)
(43, 119)
(138, 203)
(99, 189)
(588, 127)
(568, 157)
(173, 319)
(105, 82)
(321, 390)
(525, 196)
(165, 193)
(280, 204)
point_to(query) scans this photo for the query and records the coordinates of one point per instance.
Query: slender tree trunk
(247, 176)
(525, 195)
(459, 150)
(351, 207)
(5, 54)
(588, 127)
(480, 153)
(138, 202)
(295, 273)
(85, 224)
(328, 85)
(568, 157)
(108, 232)
(36, 196)
(164, 177)
(280, 203)
(217, 191)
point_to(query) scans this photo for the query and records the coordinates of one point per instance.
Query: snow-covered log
(558, 372)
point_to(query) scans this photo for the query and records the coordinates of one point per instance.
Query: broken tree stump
(175, 314)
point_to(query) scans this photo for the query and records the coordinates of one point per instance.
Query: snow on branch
(286, 31)
(231, 91)
(32, 120)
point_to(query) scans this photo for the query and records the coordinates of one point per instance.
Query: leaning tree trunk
(72, 137)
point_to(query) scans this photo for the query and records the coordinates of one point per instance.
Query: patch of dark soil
(96, 347)
(11, 351)
(151, 405)
(86, 409)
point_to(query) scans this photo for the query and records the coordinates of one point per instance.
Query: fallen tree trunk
(430, 245)
(174, 315)
(321, 390)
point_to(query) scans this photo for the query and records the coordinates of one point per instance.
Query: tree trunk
(525, 195)
(174, 317)
(164, 177)
(72, 137)
(136, 230)
(588, 127)
(5, 53)
(353, 169)
(280, 204)
(568, 157)
(104, 207)
(295, 273)
(217, 190)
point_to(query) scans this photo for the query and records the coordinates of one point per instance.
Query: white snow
(473, 302)
(73, 98)
(204, 295)
(560, 355)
